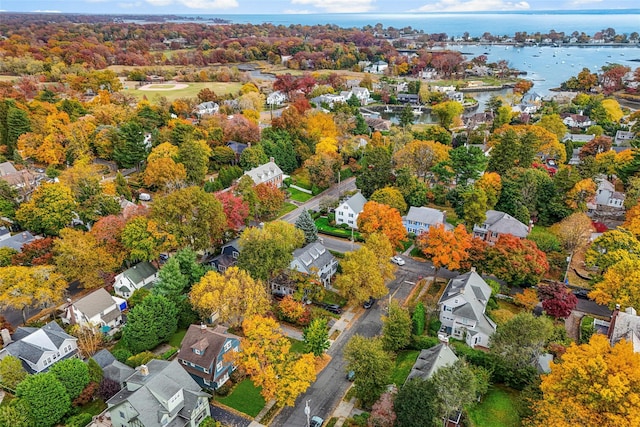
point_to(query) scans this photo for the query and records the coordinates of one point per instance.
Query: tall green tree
(396, 327)
(316, 337)
(129, 148)
(468, 163)
(376, 171)
(49, 210)
(278, 143)
(46, 398)
(17, 124)
(150, 323)
(189, 265)
(308, 227)
(15, 414)
(418, 319)
(416, 404)
(73, 374)
(455, 387)
(372, 366)
(11, 372)
(406, 116)
(171, 283)
(194, 155)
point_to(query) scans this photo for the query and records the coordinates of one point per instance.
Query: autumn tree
(376, 171)
(305, 223)
(372, 367)
(557, 300)
(446, 112)
(396, 327)
(79, 256)
(595, 369)
(46, 398)
(446, 248)
(90, 339)
(468, 162)
(491, 184)
(11, 372)
(611, 247)
(380, 245)
(143, 240)
(455, 388)
(233, 295)
(391, 197)
(36, 252)
(316, 337)
(267, 358)
(270, 200)
(164, 172)
(23, 287)
(149, 323)
(268, 250)
(380, 218)
(382, 413)
(323, 168)
(194, 155)
(235, 210)
(620, 284)
(517, 261)
(574, 231)
(360, 277)
(194, 217)
(49, 210)
(528, 299)
(421, 156)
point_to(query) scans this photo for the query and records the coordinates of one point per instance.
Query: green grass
(299, 196)
(506, 305)
(404, 363)
(286, 208)
(245, 398)
(322, 224)
(189, 92)
(176, 338)
(297, 346)
(497, 409)
(94, 408)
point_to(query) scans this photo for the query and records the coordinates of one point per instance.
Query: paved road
(15, 316)
(331, 384)
(337, 244)
(348, 184)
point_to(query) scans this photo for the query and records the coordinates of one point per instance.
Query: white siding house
(348, 211)
(315, 259)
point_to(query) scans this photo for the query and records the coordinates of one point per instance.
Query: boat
(388, 109)
(417, 111)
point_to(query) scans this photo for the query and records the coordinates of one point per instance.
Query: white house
(420, 219)
(462, 310)
(362, 93)
(315, 259)
(39, 348)
(141, 275)
(576, 120)
(206, 108)
(378, 67)
(159, 394)
(269, 173)
(348, 211)
(625, 325)
(98, 308)
(606, 195)
(276, 98)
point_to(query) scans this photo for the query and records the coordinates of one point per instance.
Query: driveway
(228, 418)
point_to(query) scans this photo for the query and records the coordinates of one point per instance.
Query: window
(219, 366)
(350, 222)
(121, 414)
(235, 254)
(227, 346)
(447, 308)
(350, 215)
(196, 351)
(340, 213)
(206, 371)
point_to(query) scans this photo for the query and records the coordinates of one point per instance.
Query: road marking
(411, 283)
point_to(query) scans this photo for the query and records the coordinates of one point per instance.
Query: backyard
(404, 363)
(245, 398)
(189, 92)
(499, 408)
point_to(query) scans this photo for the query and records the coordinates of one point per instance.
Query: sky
(301, 6)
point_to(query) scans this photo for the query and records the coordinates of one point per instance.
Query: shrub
(418, 319)
(140, 359)
(224, 389)
(421, 342)
(121, 354)
(169, 353)
(434, 327)
(80, 420)
(108, 388)
(86, 395)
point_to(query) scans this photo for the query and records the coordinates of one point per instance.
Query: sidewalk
(343, 323)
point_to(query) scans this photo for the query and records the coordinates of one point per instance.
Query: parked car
(397, 260)
(145, 197)
(351, 375)
(316, 421)
(333, 308)
(279, 296)
(369, 303)
(581, 293)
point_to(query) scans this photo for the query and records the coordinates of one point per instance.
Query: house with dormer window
(228, 257)
(315, 259)
(347, 212)
(202, 354)
(159, 394)
(98, 308)
(269, 173)
(462, 309)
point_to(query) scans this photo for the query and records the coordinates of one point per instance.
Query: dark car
(279, 296)
(333, 308)
(369, 303)
(581, 293)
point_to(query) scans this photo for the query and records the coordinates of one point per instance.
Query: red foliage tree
(382, 412)
(519, 262)
(270, 200)
(38, 252)
(235, 209)
(557, 300)
(600, 144)
(285, 83)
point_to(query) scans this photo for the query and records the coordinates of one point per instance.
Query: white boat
(417, 111)
(388, 109)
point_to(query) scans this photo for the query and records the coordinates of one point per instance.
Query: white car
(397, 260)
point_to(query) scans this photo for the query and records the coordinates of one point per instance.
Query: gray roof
(17, 241)
(356, 202)
(7, 168)
(112, 368)
(209, 341)
(264, 173)
(425, 215)
(503, 223)
(430, 360)
(140, 271)
(95, 303)
(626, 325)
(312, 255)
(165, 379)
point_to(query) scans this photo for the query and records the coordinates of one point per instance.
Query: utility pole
(307, 411)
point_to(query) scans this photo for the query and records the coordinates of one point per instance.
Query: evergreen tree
(46, 398)
(73, 374)
(376, 171)
(361, 127)
(122, 187)
(316, 337)
(171, 284)
(308, 227)
(150, 323)
(130, 148)
(418, 319)
(406, 116)
(17, 124)
(189, 265)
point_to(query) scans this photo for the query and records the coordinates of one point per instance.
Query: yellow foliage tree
(491, 184)
(361, 277)
(580, 194)
(632, 220)
(266, 356)
(593, 385)
(319, 125)
(620, 283)
(421, 156)
(527, 298)
(162, 151)
(164, 172)
(614, 112)
(574, 231)
(380, 218)
(380, 245)
(233, 295)
(327, 144)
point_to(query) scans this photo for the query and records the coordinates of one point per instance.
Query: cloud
(339, 6)
(46, 11)
(297, 12)
(472, 6)
(129, 5)
(197, 4)
(579, 3)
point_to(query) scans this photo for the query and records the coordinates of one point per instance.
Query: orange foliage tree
(593, 385)
(446, 248)
(378, 217)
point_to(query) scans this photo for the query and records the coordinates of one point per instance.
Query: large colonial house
(315, 259)
(347, 212)
(498, 223)
(269, 173)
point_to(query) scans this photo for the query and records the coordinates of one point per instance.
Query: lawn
(297, 346)
(176, 339)
(189, 92)
(299, 196)
(286, 208)
(506, 305)
(245, 398)
(323, 226)
(404, 363)
(497, 409)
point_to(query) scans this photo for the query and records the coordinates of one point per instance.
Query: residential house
(408, 98)
(112, 368)
(39, 348)
(525, 108)
(430, 360)
(269, 173)
(202, 354)
(238, 148)
(159, 394)
(277, 98)
(419, 219)
(347, 212)
(443, 89)
(141, 275)
(428, 74)
(474, 121)
(362, 93)
(577, 137)
(498, 223)
(624, 138)
(606, 194)
(17, 241)
(532, 97)
(206, 108)
(23, 181)
(625, 325)
(378, 67)
(576, 120)
(98, 308)
(454, 95)
(228, 257)
(462, 310)
(377, 124)
(315, 259)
